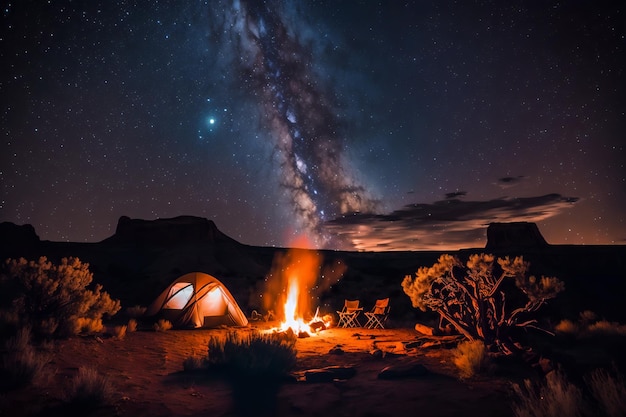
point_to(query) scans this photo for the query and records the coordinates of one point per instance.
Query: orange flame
(293, 276)
(294, 281)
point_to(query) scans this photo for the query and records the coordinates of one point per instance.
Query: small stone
(336, 351)
(403, 371)
(329, 374)
(377, 353)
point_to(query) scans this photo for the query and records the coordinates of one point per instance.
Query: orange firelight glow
(293, 276)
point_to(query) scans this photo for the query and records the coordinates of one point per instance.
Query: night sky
(361, 125)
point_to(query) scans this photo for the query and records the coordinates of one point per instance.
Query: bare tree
(472, 298)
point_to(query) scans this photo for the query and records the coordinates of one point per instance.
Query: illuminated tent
(197, 300)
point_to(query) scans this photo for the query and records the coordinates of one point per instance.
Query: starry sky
(362, 125)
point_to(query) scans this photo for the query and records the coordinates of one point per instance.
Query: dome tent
(197, 300)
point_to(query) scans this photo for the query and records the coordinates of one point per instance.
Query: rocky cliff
(514, 235)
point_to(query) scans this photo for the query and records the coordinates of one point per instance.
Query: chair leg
(375, 322)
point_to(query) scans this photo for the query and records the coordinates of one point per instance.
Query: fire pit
(289, 288)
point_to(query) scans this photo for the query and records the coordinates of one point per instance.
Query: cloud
(442, 225)
(456, 194)
(508, 182)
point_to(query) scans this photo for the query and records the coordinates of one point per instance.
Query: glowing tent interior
(197, 300)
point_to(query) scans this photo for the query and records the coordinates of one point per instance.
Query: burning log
(316, 326)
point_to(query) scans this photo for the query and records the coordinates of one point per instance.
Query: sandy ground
(146, 370)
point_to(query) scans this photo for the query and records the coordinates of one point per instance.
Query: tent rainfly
(197, 300)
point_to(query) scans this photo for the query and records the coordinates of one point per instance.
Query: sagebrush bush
(89, 389)
(567, 327)
(588, 316)
(589, 325)
(162, 325)
(54, 300)
(604, 327)
(253, 353)
(471, 358)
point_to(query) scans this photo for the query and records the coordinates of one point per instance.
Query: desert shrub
(54, 300)
(135, 311)
(119, 332)
(471, 358)
(89, 389)
(22, 364)
(473, 297)
(162, 325)
(590, 325)
(567, 327)
(255, 353)
(604, 327)
(587, 317)
(131, 326)
(87, 325)
(556, 396)
(609, 392)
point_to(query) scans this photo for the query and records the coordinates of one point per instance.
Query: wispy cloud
(442, 225)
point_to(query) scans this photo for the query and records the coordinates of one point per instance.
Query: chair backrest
(381, 306)
(351, 305)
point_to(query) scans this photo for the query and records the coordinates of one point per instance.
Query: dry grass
(88, 325)
(162, 325)
(554, 397)
(253, 353)
(609, 391)
(559, 397)
(22, 363)
(131, 326)
(135, 311)
(470, 357)
(119, 332)
(89, 389)
(194, 363)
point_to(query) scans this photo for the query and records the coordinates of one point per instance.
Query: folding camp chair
(349, 314)
(378, 315)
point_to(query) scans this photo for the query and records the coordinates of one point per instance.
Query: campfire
(294, 278)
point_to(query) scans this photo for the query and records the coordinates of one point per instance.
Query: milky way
(364, 125)
(277, 70)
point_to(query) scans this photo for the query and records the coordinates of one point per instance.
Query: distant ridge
(14, 236)
(514, 235)
(181, 229)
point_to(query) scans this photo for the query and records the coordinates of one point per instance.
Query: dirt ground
(146, 370)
